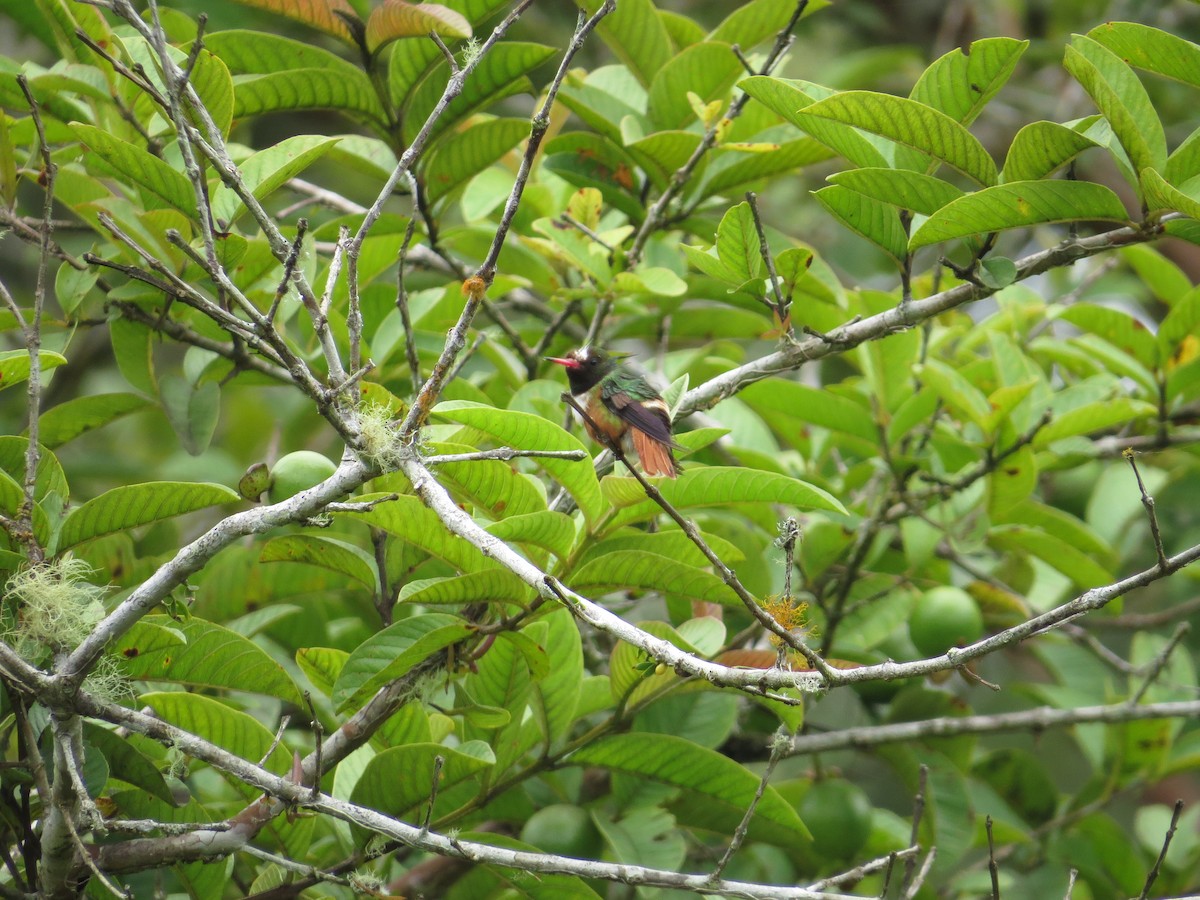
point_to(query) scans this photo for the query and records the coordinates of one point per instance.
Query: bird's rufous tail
(655, 456)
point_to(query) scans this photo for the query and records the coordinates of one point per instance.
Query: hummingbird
(621, 405)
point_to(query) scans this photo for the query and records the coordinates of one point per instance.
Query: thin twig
(438, 762)
(764, 250)
(1148, 503)
(1156, 665)
(289, 269)
(1162, 854)
(410, 341)
(1074, 873)
(993, 869)
(283, 724)
(919, 880)
(1035, 720)
(33, 335)
(858, 873)
(779, 743)
(918, 812)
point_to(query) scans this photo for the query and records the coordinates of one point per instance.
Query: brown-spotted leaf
(324, 15)
(400, 19)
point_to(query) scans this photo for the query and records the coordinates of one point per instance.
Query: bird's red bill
(569, 363)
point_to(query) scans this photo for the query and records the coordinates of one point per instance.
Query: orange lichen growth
(474, 287)
(789, 613)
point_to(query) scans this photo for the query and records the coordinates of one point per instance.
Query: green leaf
(230, 729)
(777, 396)
(140, 168)
(72, 285)
(492, 486)
(1166, 281)
(789, 100)
(212, 81)
(1040, 149)
(651, 280)
(324, 15)
(908, 190)
(1064, 526)
(720, 486)
(408, 518)
(14, 365)
(315, 88)
(1182, 322)
(410, 61)
(754, 22)
(322, 665)
(710, 264)
(489, 586)
(397, 781)
(910, 124)
(956, 391)
(708, 70)
(1093, 417)
(132, 505)
(1184, 161)
(635, 34)
(268, 169)
(726, 788)
(547, 529)
(639, 570)
(461, 156)
(328, 553)
(525, 431)
(132, 345)
(737, 244)
(557, 697)
(997, 272)
(1117, 327)
(212, 657)
(877, 221)
(961, 83)
(1162, 197)
(1012, 481)
(501, 73)
(263, 53)
(672, 543)
(1121, 99)
(1059, 555)
(49, 477)
(192, 410)
(394, 19)
(126, 763)
(1019, 205)
(663, 153)
(732, 169)
(1151, 49)
(393, 652)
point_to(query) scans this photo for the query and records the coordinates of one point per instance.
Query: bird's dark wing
(649, 415)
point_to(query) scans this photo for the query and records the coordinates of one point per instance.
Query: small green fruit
(564, 830)
(945, 617)
(838, 814)
(298, 472)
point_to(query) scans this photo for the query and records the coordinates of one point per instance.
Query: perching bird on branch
(621, 404)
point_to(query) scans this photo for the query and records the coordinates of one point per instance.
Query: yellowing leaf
(397, 19)
(324, 15)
